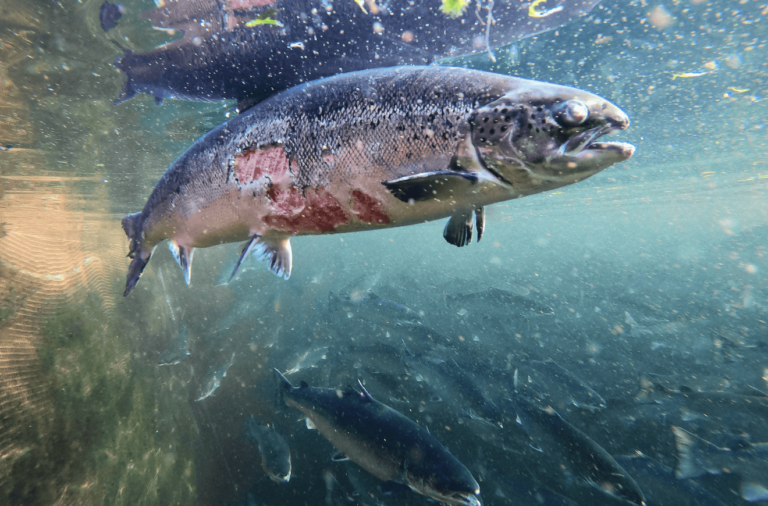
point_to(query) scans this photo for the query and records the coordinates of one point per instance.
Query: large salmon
(369, 150)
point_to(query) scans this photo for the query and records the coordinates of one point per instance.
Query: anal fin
(440, 185)
(458, 230)
(183, 257)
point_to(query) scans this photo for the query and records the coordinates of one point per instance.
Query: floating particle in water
(660, 18)
(733, 61)
(407, 36)
(378, 28)
(462, 312)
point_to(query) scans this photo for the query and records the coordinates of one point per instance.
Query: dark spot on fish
(503, 129)
(493, 131)
(485, 120)
(481, 130)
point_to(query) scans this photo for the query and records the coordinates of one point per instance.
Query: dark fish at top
(575, 452)
(109, 15)
(369, 150)
(249, 50)
(382, 441)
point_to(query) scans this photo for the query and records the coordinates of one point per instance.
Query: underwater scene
(460, 252)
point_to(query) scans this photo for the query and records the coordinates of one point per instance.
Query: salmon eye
(572, 113)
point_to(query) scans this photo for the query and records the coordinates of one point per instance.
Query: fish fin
(283, 386)
(688, 465)
(183, 257)
(129, 90)
(158, 100)
(132, 226)
(458, 229)
(139, 256)
(243, 104)
(754, 492)
(439, 185)
(310, 424)
(303, 384)
(243, 254)
(277, 251)
(338, 456)
(334, 302)
(480, 222)
(364, 394)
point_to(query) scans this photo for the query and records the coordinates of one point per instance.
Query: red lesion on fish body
(367, 208)
(256, 163)
(310, 210)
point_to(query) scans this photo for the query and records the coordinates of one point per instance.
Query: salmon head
(544, 134)
(452, 485)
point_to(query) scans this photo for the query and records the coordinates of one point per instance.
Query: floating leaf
(454, 8)
(264, 18)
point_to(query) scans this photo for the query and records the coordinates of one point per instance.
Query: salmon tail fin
(691, 460)
(283, 385)
(139, 257)
(129, 89)
(139, 261)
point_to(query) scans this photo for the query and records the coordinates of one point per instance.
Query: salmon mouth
(623, 150)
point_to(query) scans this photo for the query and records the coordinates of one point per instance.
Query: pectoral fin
(183, 257)
(440, 185)
(458, 230)
(339, 457)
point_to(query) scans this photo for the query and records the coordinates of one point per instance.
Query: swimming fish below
(574, 451)
(698, 457)
(382, 441)
(369, 150)
(275, 453)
